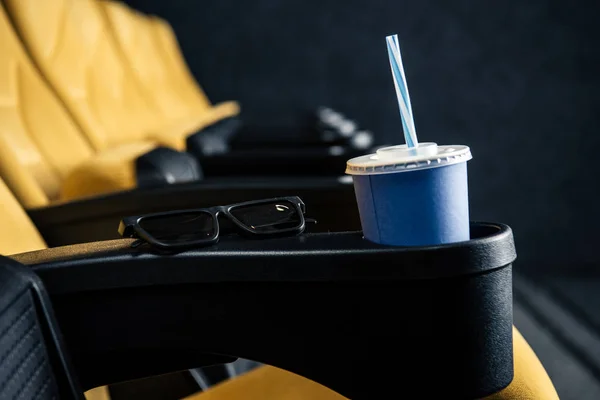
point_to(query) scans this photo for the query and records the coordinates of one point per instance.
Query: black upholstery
(32, 359)
(163, 165)
(213, 139)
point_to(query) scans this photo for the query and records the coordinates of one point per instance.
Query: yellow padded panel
(268, 383)
(183, 81)
(20, 181)
(531, 382)
(39, 143)
(107, 172)
(172, 136)
(18, 234)
(136, 43)
(70, 43)
(99, 393)
(43, 156)
(150, 48)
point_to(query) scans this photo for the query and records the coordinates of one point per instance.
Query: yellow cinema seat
(531, 382)
(182, 78)
(43, 155)
(69, 43)
(151, 51)
(18, 234)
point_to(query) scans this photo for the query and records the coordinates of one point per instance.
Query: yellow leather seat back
(18, 234)
(138, 46)
(182, 78)
(69, 42)
(531, 381)
(150, 48)
(39, 142)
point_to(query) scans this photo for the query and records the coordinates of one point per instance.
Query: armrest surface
(91, 251)
(325, 306)
(306, 258)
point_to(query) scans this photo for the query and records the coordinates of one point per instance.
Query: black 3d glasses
(200, 227)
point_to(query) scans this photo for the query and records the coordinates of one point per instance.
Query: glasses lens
(268, 217)
(181, 228)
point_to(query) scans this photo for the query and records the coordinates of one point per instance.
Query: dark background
(517, 81)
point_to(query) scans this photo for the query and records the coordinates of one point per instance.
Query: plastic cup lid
(401, 158)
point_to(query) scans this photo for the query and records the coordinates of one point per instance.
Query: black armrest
(332, 307)
(215, 138)
(166, 166)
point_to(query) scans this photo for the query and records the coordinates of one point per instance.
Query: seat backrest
(144, 54)
(18, 234)
(39, 142)
(34, 361)
(183, 80)
(69, 42)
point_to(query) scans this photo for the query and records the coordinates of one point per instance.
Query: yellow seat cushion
(70, 44)
(172, 137)
(106, 172)
(21, 181)
(39, 142)
(531, 382)
(18, 234)
(99, 393)
(115, 96)
(151, 51)
(182, 79)
(268, 383)
(137, 44)
(43, 155)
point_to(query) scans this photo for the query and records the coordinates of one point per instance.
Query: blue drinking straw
(408, 123)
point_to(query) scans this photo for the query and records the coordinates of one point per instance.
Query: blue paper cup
(413, 197)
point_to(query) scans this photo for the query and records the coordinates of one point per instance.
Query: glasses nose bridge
(223, 219)
(219, 212)
(216, 211)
